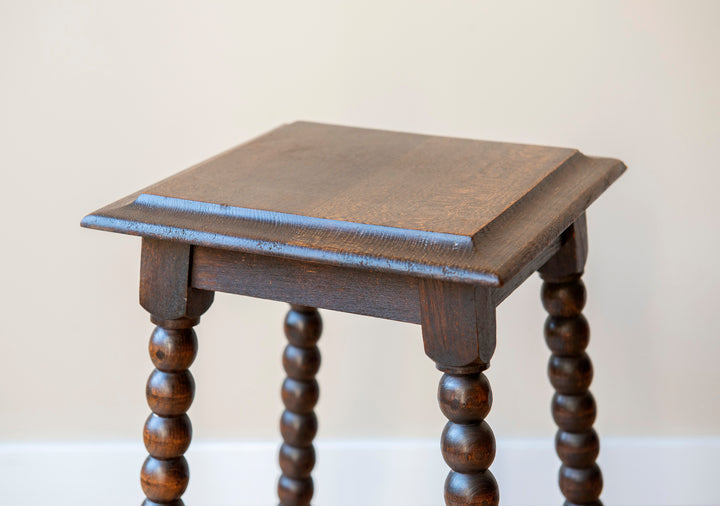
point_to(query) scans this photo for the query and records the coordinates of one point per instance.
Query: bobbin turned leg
(468, 443)
(175, 308)
(458, 325)
(570, 371)
(300, 393)
(170, 391)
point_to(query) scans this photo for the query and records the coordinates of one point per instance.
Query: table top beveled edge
(491, 257)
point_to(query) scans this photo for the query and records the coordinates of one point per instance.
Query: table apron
(379, 294)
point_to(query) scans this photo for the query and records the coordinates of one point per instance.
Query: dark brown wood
(468, 443)
(499, 294)
(175, 309)
(451, 209)
(572, 253)
(300, 393)
(165, 289)
(415, 228)
(458, 324)
(170, 391)
(383, 295)
(570, 370)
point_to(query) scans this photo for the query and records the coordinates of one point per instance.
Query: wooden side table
(429, 230)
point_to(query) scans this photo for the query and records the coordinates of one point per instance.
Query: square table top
(440, 207)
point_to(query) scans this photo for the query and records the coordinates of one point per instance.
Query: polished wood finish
(468, 443)
(176, 307)
(570, 370)
(383, 295)
(170, 391)
(165, 288)
(415, 228)
(458, 324)
(300, 393)
(432, 207)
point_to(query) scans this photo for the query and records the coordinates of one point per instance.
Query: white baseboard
(660, 472)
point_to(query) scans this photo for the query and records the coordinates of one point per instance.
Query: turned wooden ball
(465, 398)
(164, 480)
(167, 438)
(479, 489)
(564, 299)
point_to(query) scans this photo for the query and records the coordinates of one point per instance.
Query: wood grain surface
(435, 207)
(570, 370)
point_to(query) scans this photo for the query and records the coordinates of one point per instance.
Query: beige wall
(101, 98)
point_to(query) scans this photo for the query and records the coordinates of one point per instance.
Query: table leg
(570, 370)
(468, 443)
(170, 391)
(300, 393)
(573, 406)
(175, 308)
(458, 326)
